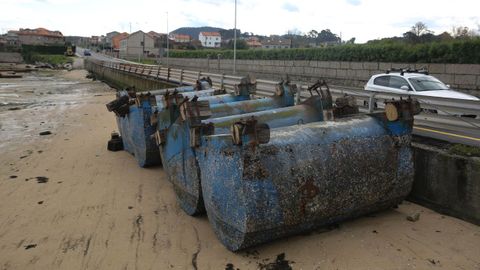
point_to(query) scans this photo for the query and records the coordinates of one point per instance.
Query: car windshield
(427, 83)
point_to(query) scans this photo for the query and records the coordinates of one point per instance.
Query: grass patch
(146, 61)
(54, 59)
(465, 150)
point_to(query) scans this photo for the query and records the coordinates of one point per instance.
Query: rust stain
(307, 191)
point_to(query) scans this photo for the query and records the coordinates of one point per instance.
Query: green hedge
(459, 51)
(52, 54)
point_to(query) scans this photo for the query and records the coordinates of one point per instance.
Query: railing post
(222, 86)
(181, 76)
(298, 95)
(168, 74)
(158, 71)
(371, 102)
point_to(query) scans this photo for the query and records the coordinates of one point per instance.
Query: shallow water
(41, 88)
(36, 102)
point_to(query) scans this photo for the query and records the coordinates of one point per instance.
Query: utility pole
(130, 27)
(143, 47)
(168, 47)
(235, 41)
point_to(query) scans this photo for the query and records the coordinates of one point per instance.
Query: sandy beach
(68, 203)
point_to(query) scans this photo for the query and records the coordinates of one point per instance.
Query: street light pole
(235, 41)
(168, 47)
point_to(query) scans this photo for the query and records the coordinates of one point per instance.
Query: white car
(417, 83)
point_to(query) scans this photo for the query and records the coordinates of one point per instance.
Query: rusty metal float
(296, 178)
(178, 146)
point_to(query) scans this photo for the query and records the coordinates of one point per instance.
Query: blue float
(133, 115)
(179, 150)
(299, 177)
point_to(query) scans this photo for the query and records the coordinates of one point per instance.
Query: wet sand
(68, 203)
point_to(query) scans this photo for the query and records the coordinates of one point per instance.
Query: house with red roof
(182, 38)
(210, 39)
(39, 36)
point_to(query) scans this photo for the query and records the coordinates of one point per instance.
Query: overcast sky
(363, 19)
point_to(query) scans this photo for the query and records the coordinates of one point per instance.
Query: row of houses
(137, 44)
(142, 44)
(37, 36)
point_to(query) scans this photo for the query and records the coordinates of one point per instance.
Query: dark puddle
(40, 179)
(30, 246)
(230, 266)
(279, 264)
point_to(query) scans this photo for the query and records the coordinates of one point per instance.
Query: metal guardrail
(448, 109)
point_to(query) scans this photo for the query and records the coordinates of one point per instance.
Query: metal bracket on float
(250, 132)
(195, 111)
(247, 86)
(160, 137)
(140, 98)
(323, 90)
(154, 118)
(198, 131)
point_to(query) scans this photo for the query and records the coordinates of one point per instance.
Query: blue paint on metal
(166, 117)
(179, 158)
(306, 176)
(136, 134)
(279, 117)
(136, 129)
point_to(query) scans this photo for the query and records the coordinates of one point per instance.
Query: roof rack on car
(408, 70)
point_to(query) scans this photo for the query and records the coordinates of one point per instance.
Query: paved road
(99, 56)
(467, 137)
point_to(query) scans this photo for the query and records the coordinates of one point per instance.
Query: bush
(458, 51)
(49, 58)
(52, 49)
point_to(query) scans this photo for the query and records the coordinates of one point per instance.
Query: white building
(210, 39)
(137, 45)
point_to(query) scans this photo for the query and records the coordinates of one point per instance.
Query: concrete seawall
(447, 183)
(120, 80)
(459, 76)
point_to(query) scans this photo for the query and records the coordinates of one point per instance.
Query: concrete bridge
(444, 181)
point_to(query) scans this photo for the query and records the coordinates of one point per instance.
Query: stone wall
(9, 57)
(459, 76)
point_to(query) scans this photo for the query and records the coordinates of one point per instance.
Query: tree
(312, 34)
(241, 44)
(294, 32)
(229, 34)
(410, 37)
(351, 41)
(445, 36)
(420, 28)
(326, 36)
(462, 32)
